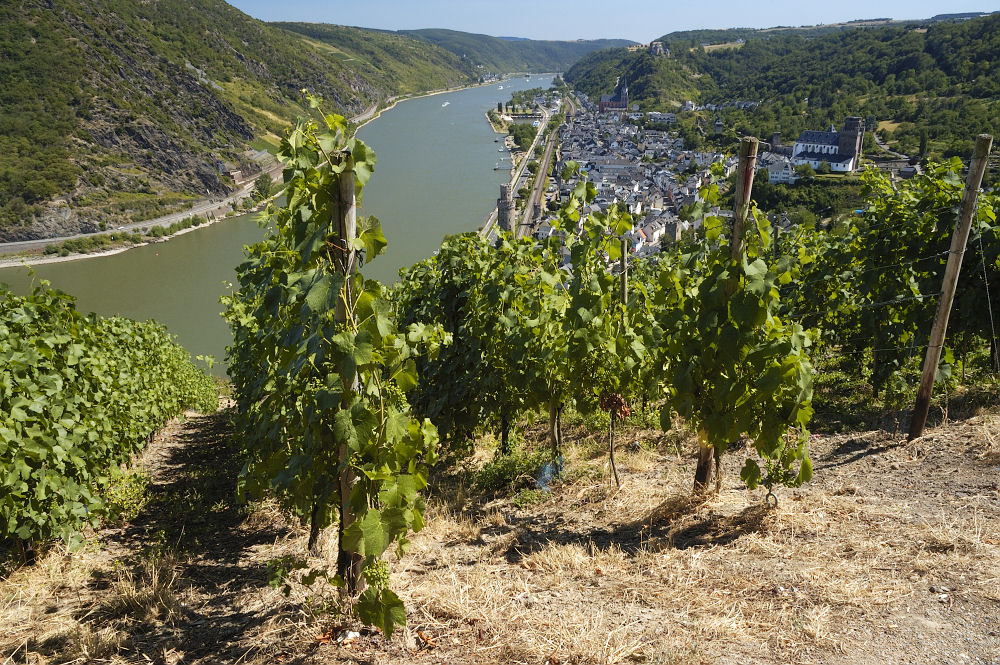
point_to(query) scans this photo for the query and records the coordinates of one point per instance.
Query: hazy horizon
(642, 21)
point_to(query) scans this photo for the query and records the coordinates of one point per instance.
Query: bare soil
(890, 555)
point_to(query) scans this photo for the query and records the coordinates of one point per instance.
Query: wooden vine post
(349, 564)
(623, 264)
(624, 268)
(959, 239)
(707, 460)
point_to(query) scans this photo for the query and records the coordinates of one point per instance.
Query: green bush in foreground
(79, 395)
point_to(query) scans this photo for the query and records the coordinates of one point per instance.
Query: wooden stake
(611, 449)
(959, 239)
(348, 563)
(744, 186)
(624, 266)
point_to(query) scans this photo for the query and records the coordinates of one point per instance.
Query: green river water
(434, 176)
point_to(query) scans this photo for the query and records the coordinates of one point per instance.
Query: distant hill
(693, 38)
(930, 83)
(501, 54)
(114, 110)
(118, 110)
(397, 63)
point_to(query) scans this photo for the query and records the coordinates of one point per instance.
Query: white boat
(499, 87)
(445, 104)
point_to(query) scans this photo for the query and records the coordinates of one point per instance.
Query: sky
(638, 20)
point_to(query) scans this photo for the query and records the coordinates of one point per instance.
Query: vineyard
(79, 396)
(541, 450)
(344, 388)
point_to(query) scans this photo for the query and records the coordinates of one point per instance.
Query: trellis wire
(886, 266)
(989, 305)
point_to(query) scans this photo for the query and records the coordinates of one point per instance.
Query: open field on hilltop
(891, 554)
(722, 47)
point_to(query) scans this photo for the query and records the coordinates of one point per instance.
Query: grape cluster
(377, 574)
(615, 404)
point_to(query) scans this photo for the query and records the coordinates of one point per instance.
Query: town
(633, 158)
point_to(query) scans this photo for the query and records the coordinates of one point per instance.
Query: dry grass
(649, 574)
(48, 617)
(990, 435)
(892, 549)
(149, 593)
(793, 583)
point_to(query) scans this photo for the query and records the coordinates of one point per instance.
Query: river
(434, 176)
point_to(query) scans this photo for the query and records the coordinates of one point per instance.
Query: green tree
(262, 186)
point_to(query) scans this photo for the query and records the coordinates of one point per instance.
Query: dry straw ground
(891, 555)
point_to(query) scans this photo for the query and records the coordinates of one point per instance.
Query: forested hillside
(932, 86)
(115, 111)
(506, 55)
(146, 105)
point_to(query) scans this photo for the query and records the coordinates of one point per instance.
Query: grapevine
(321, 369)
(79, 395)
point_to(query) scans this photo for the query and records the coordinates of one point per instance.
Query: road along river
(435, 176)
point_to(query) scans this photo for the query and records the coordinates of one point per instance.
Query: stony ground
(891, 555)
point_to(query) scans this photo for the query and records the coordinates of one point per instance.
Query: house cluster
(841, 150)
(649, 172)
(737, 104)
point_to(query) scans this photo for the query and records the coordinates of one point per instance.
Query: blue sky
(639, 20)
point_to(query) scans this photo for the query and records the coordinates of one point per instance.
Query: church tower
(849, 140)
(622, 93)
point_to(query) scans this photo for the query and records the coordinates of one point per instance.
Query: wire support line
(879, 227)
(885, 266)
(849, 342)
(895, 301)
(989, 306)
(911, 348)
(874, 305)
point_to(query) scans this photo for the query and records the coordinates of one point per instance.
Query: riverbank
(33, 259)
(30, 252)
(15, 253)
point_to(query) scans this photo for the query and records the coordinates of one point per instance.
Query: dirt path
(185, 581)
(891, 555)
